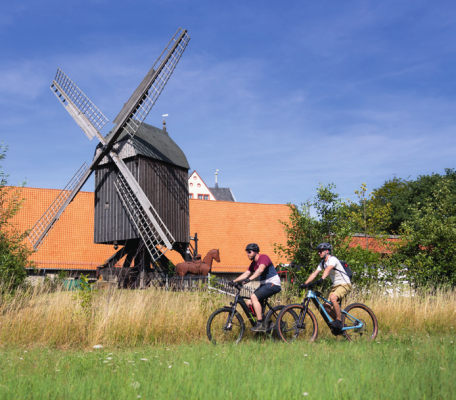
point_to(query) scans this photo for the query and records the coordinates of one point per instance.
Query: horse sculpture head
(213, 254)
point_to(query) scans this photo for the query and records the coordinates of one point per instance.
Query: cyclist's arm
(245, 275)
(327, 271)
(258, 272)
(312, 276)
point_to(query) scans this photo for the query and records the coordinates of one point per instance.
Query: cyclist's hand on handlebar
(245, 281)
(319, 282)
(232, 283)
(303, 286)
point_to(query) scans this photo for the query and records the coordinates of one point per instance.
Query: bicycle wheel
(218, 330)
(287, 324)
(352, 316)
(271, 320)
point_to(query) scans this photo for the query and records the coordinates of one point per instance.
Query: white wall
(197, 187)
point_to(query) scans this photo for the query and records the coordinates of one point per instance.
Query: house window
(206, 197)
(200, 197)
(190, 195)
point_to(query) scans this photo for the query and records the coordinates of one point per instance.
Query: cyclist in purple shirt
(261, 265)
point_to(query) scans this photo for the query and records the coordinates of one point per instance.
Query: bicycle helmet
(324, 246)
(253, 247)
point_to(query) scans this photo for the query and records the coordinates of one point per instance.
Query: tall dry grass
(41, 316)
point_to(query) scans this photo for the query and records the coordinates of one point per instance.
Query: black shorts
(265, 291)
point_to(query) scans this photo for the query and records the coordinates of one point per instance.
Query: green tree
(407, 195)
(429, 249)
(14, 253)
(370, 216)
(332, 223)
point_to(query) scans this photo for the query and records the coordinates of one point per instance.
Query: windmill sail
(146, 220)
(41, 229)
(85, 113)
(144, 97)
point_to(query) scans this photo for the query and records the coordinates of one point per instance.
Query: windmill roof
(151, 142)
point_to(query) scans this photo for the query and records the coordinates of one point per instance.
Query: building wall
(197, 189)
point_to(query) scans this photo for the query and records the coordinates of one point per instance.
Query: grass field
(155, 346)
(418, 367)
(135, 318)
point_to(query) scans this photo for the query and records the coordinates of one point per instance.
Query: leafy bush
(14, 253)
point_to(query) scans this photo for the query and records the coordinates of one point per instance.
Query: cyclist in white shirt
(331, 266)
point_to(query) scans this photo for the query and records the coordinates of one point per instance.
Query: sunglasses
(320, 251)
(249, 251)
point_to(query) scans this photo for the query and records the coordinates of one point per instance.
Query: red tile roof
(227, 226)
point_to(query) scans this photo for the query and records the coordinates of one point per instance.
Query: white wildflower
(135, 385)
(170, 366)
(98, 346)
(305, 394)
(143, 359)
(185, 362)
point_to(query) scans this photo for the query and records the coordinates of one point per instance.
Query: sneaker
(336, 324)
(258, 327)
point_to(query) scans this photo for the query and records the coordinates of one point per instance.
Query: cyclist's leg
(337, 294)
(262, 294)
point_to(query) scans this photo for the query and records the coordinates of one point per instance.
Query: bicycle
(298, 321)
(226, 324)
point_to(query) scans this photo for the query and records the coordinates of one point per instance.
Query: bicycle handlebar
(311, 284)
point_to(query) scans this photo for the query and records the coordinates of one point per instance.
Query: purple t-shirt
(269, 275)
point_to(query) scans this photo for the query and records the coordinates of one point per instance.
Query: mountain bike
(226, 324)
(297, 321)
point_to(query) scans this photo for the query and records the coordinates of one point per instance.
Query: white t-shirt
(337, 274)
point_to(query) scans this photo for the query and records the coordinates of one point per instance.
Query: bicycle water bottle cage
(317, 292)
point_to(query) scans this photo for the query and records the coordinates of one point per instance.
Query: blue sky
(279, 96)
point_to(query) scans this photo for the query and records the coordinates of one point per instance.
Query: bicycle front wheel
(220, 331)
(288, 327)
(271, 321)
(362, 322)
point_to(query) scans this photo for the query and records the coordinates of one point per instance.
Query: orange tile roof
(227, 226)
(375, 244)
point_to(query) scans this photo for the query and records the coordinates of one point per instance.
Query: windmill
(122, 191)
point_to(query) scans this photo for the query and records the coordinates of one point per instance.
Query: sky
(280, 97)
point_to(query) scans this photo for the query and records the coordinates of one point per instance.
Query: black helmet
(324, 246)
(253, 246)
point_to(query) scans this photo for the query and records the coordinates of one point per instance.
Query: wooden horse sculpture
(198, 267)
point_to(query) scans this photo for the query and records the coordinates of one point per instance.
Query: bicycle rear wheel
(352, 316)
(288, 327)
(218, 330)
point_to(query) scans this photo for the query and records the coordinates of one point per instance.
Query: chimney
(216, 173)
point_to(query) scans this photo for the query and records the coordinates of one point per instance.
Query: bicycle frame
(238, 299)
(314, 297)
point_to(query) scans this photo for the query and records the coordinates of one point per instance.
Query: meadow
(418, 367)
(153, 344)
